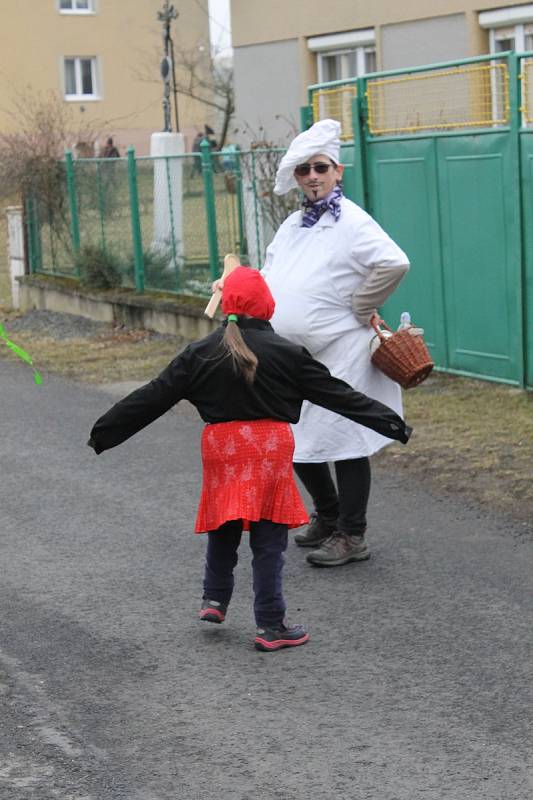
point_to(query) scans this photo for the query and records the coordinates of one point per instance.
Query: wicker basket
(402, 356)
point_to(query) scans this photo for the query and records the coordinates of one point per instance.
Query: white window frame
(339, 44)
(75, 10)
(517, 33)
(327, 54)
(515, 17)
(95, 77)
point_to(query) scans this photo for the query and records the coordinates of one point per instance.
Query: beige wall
(267, 104)
(407, 33)
(289, 19)
(126, 37)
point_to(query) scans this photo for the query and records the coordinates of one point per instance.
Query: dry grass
(473, 438)
(117, 356)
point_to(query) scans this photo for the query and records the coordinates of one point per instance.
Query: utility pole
(166, 16)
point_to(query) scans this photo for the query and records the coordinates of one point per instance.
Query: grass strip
(472, 438)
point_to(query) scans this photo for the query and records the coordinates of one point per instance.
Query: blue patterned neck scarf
(313, 210)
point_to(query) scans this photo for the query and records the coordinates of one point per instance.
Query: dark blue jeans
(268, 541)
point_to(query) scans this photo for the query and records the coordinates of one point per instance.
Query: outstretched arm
(141, 407)
(320, 387)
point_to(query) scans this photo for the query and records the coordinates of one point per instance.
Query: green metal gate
(445, 161)
(463, 234)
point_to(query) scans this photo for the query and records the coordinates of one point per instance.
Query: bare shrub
(261, 171)
(31, 157)
(99, 268)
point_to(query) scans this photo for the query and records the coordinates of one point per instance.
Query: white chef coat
(312, 274)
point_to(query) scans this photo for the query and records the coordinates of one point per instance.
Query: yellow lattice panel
(336, 103)
(527, 91)
(469, 96)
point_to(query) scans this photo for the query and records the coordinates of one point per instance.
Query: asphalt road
(416, 684)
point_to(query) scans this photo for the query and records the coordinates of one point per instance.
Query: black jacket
(202, 374)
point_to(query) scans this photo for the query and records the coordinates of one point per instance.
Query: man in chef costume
(329, 267)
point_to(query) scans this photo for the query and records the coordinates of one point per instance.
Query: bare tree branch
(199, 76)
(31, 158)
(261, 172)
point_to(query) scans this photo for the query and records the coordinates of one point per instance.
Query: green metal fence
(166, 222)
(442, 157)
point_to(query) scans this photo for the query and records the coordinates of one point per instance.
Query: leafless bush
(260, 170)
(31, 157)
(209, 81)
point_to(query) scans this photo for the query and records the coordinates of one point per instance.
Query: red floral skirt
(247, 474)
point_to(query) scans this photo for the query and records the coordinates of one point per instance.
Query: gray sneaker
(316, 532)
(338, 549)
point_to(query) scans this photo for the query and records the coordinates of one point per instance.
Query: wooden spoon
(231, 261)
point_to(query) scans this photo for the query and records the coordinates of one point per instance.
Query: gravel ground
(67, 326)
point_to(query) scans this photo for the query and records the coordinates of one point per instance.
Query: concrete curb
(114, 306)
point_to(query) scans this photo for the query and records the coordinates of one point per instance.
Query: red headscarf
(246, 292)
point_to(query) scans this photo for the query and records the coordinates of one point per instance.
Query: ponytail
(244, 361)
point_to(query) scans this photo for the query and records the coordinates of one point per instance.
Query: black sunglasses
(320, 168)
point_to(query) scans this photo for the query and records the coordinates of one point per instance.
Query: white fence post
(15, 250)
(168, 191)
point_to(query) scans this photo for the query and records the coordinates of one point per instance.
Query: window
(518, 38)
(80, 78)
(370, 59)
(342, 64)
(337, 65)
(503, 40)
(509, 28)
(76, 6)
(344, 55)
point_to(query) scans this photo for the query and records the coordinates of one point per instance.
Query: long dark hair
(244, 360)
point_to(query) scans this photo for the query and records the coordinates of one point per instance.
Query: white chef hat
(322, 137)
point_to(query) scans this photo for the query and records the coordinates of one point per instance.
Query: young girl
(248, 384)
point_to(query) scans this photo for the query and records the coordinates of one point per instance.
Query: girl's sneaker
(282, 636)
(213, 611)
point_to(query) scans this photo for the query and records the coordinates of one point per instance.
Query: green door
(481, 254)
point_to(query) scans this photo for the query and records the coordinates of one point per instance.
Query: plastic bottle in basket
(405, 321)
(406, 324)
